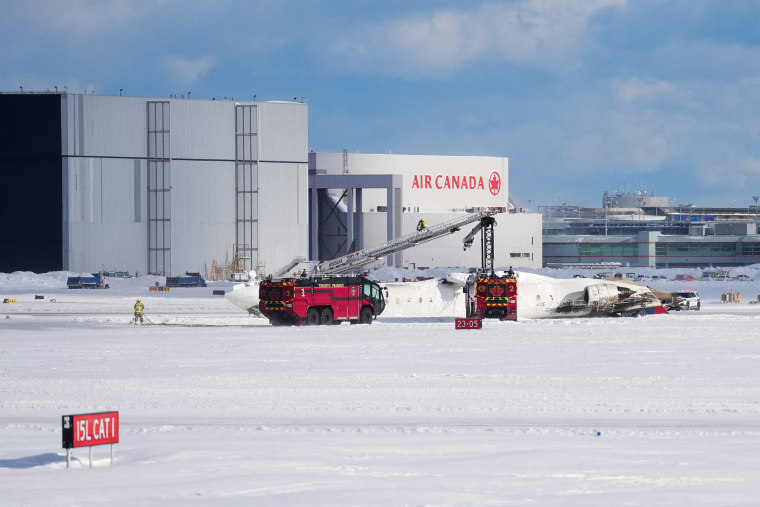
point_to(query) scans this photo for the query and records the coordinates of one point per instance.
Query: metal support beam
(349, 219)
(354, 184)
(390, 233)
(360, 222)
(314, 238)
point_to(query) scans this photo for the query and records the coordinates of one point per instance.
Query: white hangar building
(435, 189)
(152, 185)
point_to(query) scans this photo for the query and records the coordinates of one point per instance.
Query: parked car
(685, 300)
(685, 278)
(742, 278)
(659, 277)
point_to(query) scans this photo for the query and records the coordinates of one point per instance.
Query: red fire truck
(492, 297)
(328, 300)
(488, 295)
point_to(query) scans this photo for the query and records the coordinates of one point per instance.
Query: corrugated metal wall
(106, 210)
(283, 213)
(103, 126)
(203, 213)
(282, 136)
(105, 144)
(203, 129)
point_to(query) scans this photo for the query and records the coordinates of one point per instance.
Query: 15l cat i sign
(84, 430)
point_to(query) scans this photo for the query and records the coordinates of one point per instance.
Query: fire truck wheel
(365, 317)
(326, 317)
(312, 317)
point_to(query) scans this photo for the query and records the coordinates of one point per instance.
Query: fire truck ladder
(296, 262)
(355, 260)
(486, 242)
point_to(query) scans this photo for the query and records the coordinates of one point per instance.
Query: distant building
(653, 234)
(636, 199)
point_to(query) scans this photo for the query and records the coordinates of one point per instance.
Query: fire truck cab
(491, 296)
(324, 300)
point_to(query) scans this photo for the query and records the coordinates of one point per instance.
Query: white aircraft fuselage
(538, 297)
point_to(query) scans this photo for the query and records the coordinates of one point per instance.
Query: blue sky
(583, 96)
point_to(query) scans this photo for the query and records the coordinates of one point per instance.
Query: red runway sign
(473, 323)
(84, 430)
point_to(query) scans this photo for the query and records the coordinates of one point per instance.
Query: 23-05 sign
(473, 323)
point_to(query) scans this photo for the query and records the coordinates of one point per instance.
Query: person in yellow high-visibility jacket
(139, 309)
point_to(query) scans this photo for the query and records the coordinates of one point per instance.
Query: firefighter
(421, 225)
(510, 273)
(139, 309)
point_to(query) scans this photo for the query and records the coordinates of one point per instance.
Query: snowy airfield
(219, 408)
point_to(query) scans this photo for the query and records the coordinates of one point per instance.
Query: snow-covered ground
(219, 408)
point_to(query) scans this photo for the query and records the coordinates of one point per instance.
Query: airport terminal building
(651, 233)
(168, 185)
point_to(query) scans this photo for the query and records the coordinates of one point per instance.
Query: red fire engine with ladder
(323, 299)
(486, 294)
(328, 300)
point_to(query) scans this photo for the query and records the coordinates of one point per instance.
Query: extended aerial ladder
(371, 255)
(486, 242)
(353, 261)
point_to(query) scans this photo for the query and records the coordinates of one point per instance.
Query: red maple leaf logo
(497, 290)
(494, 183)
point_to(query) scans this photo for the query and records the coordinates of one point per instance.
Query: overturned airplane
(541, 297)
(538, 297)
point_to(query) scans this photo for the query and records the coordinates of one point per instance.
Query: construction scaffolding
(227, 271)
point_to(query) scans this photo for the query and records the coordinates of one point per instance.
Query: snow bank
(26, 280)
(220, 408)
